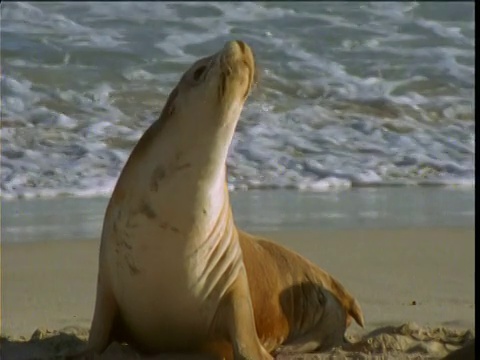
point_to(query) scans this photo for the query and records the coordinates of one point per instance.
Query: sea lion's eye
(199, 72)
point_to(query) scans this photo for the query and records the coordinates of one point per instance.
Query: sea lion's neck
(182, 174)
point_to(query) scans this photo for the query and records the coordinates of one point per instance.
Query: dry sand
(416, 289)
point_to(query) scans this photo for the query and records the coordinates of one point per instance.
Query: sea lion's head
(229, 74)
(198, 120)
(205, 105)
(215, 87)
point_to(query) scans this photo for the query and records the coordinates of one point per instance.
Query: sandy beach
(415, 286)
(348, 135)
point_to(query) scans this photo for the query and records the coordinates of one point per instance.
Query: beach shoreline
(75, 219)
(416, 278)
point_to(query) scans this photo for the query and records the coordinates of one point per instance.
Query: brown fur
(263, 259)
(276, 274)
(289, 295)
(298, 307)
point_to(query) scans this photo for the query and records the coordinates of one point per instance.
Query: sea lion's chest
(169, 261)
(149, 246)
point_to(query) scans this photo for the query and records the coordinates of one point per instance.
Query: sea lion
(298, 307)
(175, 274)
(171, 275)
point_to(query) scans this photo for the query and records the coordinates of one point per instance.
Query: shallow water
(351, 94)
(261, 211)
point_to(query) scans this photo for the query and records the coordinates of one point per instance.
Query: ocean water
(72, 219)
(350, 93)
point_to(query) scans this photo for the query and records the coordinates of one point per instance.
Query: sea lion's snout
(237, 63)
(236, 49)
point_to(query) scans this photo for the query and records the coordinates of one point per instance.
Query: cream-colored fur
(175, 274)
(169, 263)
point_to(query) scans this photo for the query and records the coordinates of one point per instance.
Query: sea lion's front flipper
(106, 309)
(100, 333)
(235, 317)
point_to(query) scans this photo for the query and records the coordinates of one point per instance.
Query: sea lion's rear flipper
(327, 330)
(356, 313)
(305, 344)
(348, 302)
